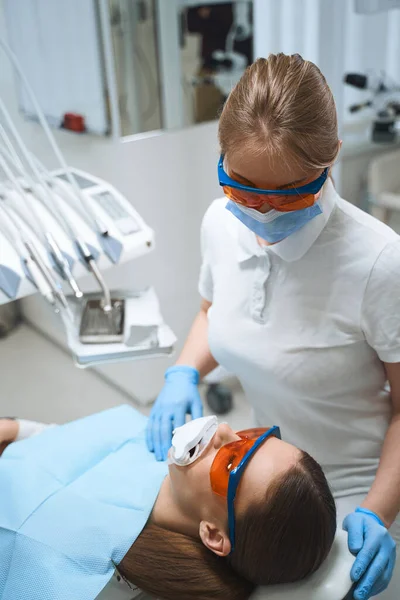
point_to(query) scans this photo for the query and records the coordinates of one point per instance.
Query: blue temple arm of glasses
(235, 476)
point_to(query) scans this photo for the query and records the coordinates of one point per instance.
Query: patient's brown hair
(281, 540)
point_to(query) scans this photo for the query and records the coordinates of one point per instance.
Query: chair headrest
(331, 581)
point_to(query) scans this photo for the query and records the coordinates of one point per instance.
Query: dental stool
(331, 582)
(384, 185)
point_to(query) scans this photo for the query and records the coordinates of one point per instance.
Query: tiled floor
(40, 382)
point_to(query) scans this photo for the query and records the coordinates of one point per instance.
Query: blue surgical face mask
(274, 226)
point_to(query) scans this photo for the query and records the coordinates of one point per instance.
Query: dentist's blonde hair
(282, 107)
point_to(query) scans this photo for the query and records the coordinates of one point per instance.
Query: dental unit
(58, 226)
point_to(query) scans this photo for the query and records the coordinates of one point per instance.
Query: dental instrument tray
(96, 324)
(145, 334)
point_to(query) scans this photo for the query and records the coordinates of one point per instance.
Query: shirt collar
(296, 245)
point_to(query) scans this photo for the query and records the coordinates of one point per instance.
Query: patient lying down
(165, 527)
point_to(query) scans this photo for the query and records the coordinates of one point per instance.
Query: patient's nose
(224, 435)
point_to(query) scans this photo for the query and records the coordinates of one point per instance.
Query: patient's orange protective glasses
(229, 464)
(229, 457)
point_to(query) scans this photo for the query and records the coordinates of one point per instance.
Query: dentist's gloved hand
(179, 397)
(375, 549)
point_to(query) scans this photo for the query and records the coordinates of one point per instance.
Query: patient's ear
(214, 538)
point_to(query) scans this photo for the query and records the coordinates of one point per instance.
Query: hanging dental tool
(57, 256)
(100, 313)
(83, 248)
(52, 201)
(62, 261)
(9, 279)
(34, 265)
(9, 282)
(60, 190)
(111, 246)
(100, 317)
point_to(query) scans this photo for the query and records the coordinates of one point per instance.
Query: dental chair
(331, 582)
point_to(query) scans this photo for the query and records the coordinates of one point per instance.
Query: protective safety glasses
(229, 464)
(284, 200)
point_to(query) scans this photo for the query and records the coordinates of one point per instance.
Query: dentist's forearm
(196, 352)
(384, 495)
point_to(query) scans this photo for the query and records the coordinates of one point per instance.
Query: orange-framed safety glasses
(229, 464)
(283, 200)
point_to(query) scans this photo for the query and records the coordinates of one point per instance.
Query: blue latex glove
(179, 397)
(375, 549)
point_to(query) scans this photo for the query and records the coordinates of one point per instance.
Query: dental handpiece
(55, 289)
(63, 265)
(81, 245)
(40, 273)
(56, 255)
(91, 263)
(29, 265)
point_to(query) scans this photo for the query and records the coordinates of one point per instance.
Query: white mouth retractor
(190, 440)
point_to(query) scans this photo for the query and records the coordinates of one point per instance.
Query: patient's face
(192, 488)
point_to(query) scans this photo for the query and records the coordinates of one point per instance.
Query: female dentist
(300, 300)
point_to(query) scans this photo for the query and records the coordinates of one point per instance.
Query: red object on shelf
(74, 122)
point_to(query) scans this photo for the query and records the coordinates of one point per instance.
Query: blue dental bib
(72, 502)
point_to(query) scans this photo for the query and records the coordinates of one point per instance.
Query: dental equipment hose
(71, 179)
(54, 249)
(80, 244)
(49, 241)
(34, 262)
(82, 247)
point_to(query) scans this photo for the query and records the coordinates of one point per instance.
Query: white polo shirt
(305, 325)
